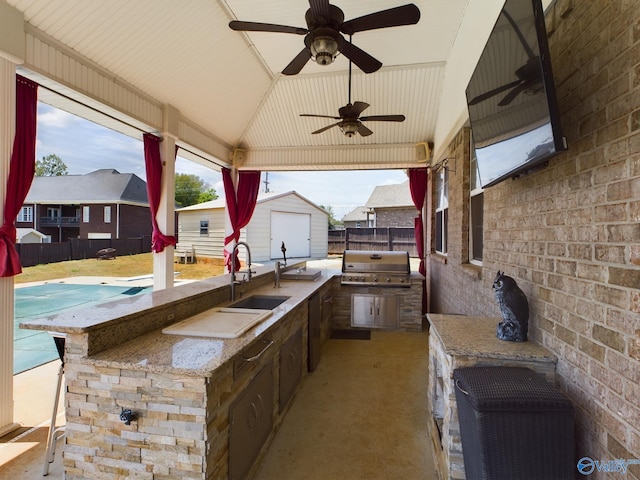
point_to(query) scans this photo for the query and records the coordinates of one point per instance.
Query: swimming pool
(32, 348)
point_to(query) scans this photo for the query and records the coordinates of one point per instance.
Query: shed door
(294, 229)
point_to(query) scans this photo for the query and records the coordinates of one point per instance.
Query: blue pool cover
(32, 348)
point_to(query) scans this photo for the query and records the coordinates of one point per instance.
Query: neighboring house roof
(358, 214)
(101, 186)
(262, 197)
(389, 196)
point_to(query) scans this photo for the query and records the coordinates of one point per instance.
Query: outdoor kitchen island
(143, 404)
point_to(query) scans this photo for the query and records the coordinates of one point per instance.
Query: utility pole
(266, 182)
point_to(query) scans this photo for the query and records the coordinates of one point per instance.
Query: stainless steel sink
(261, 302)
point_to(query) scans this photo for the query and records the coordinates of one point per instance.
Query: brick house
(568, 233)
(392, 206)
(101, 204)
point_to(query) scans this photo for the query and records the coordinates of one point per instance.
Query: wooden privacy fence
(78, 249)
(385, 238)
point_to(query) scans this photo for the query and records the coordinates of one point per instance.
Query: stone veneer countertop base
(476, 337)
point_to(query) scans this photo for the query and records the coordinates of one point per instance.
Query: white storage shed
(285, 217)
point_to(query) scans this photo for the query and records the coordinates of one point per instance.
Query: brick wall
(570, 233)
(395, 217)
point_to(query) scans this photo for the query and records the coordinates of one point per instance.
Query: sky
(85, 147)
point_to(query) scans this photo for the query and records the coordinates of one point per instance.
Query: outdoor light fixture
(349, 128)
(324, 49)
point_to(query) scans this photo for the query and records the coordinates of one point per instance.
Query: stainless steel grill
(380, 268)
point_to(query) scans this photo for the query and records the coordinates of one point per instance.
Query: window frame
(442, 211)
(476, 229)
(25, 215)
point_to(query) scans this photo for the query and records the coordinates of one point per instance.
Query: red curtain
(240, 206)
(418, 187)
(21, 171)
(153, 165)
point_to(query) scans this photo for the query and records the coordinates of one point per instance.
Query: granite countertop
(476, 337)
(201, 356)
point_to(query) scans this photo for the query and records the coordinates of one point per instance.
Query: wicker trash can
(514, 425)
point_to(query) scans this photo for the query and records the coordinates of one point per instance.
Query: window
(442, 209)
(53, 213)
(25, 214)
(204, 227)
(107, 214)
(477, 206)
(85, 214)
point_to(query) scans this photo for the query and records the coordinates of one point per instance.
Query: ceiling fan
(350, 120)
(529, 75)
(323, 40)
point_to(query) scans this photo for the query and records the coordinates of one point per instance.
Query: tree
(51, 166)
(333, 223)
(191, 189)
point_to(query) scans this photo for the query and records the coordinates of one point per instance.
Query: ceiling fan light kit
(349, 128)
(324, 50)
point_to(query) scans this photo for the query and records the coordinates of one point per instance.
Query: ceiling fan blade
(362, 59)
(319, 116)
(298, 62)
(394, 17)
(484, 96)
(363, 131)
(320, 8)
(383, 118)
(356, 109)
(510, 97)
(265, 27)
(325, 128)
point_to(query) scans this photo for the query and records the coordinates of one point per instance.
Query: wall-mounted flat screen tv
(511, 96)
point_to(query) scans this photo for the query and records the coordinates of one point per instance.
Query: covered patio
(568, 232)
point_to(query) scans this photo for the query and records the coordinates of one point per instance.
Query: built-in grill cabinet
(383, 275)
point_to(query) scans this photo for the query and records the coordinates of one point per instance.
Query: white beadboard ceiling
(228, 84)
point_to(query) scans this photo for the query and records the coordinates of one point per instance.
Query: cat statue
(514, 308)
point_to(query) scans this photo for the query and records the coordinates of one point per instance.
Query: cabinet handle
(258, 355)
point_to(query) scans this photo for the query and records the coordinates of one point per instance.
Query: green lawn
(125, 266)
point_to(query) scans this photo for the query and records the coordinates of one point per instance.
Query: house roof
(263, 197)
(100, 186)
(356, 215)
(390, 196)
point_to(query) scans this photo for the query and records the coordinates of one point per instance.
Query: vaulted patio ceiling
(227, 87)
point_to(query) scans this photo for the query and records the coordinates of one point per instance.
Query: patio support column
(11, 54)
(163, 272)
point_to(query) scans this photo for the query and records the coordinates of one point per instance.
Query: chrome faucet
(277, 274)
(233, 268)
